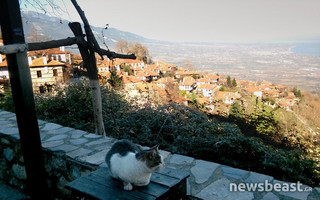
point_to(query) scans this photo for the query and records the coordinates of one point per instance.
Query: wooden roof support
(20, 79)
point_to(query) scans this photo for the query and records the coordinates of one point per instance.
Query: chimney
(62, 48)
(44, 60)
(29, 60)
(0, 58)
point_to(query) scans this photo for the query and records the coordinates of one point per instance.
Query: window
(39, 74)
(41, 89)
(49, 88)
(55, 72)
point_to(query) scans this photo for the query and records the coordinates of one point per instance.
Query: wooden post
(20, 79)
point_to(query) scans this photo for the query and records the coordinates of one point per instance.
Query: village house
(226, 97)
(165, 81)
(57, 54)
(135, 65)
(130, 82)
(48, 68)
(183, 72)
(271, 93)
(202, 81)
(284, 104)
(4, 73)
(153, 67)
(164, 64)
(206, 89)
(47, 73)
(255, 91)
(213, 78)
(188, 84)
(147, 75)
(165, 67)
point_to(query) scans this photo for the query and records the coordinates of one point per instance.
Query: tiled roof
(211, 76)
(4, 62)
(130, 79)
(271, 92)
(38, 62)
(283, 103)
(147, 73)
(252, 89)
(47, 52)
(187, 81)
(203, 80)
(119, 61)
(165, 80)
(223, 95)
(206, 86)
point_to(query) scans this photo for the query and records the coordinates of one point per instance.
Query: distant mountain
(55, 28)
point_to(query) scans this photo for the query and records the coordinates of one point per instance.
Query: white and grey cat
(131, 164)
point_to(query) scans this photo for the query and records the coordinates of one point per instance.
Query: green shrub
(6, 101)
(70, 106)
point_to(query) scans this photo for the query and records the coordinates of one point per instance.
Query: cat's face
(153, 159)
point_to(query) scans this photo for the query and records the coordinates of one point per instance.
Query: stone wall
(71, 153)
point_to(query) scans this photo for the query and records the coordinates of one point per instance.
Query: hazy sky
(205, 20)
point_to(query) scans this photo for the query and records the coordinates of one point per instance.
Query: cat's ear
(156, 147)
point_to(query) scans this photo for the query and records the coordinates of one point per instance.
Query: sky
(244, 21)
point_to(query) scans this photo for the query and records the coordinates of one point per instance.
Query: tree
(222, 89)
(264, 122)
(234, 82)
(229, 83)
(236, 112)
(140, 51)
(237, 115)
(114, 80)
(122, 46)
(297, 92)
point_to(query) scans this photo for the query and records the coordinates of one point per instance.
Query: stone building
(47, 73)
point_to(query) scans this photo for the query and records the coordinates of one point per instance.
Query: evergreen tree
(114, 80)
(234, 83)
(229, 84)
(264, 122)
(236, 112)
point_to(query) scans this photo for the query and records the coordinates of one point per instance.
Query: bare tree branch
(90, 37)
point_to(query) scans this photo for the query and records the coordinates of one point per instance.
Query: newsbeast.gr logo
(268, 187)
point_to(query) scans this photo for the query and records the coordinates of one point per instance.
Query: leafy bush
(6, 101)
(70, 106)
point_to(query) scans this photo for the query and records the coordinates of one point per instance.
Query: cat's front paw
(127, 186)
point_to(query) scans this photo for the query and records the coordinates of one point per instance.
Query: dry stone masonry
(71, 153)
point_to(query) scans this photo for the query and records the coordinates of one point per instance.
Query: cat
(133, 165)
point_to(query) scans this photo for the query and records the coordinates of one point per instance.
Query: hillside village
(160, 81)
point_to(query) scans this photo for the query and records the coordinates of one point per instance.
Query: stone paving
(207, 180)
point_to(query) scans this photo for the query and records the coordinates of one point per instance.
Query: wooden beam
(55, 43)
(13, 48)
(20, 79)
(79, 40)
